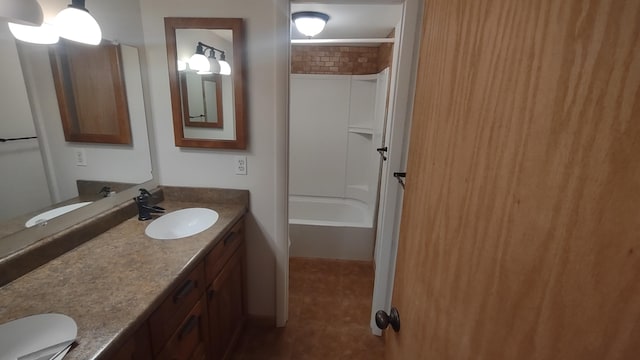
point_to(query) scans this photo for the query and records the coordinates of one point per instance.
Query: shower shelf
(361, 129)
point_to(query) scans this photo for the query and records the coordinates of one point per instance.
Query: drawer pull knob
(229, 238)
(188, 327)
(184, 290)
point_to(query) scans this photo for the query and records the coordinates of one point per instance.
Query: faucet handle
(144, 192)
(105, 191)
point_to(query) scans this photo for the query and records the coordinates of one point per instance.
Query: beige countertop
(111, 284)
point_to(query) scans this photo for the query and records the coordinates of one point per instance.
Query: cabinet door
(226, 306)
(188, 342)
(137, 348)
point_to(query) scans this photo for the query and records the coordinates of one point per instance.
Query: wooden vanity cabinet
(194, 324)
(138, 347)
(189, 342)
(226, 307)
(226, 292)
(175, 309)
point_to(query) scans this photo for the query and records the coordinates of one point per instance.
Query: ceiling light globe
(23, 12)
(199, 62)
(44, 34)
(78, 25)
(310, 23)
(214, 65)
(225, 68)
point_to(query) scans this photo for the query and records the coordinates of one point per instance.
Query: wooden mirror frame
(236, 25)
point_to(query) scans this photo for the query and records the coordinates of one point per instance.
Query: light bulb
(199, 62)
(78, 25)
(310, 23)
(225, 68)
(44, 34)
(214, 65)
(23, 12)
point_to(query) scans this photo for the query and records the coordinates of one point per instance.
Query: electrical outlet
(81, 157)
(241, 165)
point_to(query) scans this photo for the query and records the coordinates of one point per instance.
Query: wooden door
(520, 236)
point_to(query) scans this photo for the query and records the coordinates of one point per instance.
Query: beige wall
(267, 57)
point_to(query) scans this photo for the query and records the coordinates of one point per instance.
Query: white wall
(319, 111)
(24, 185)
(267, 61)
(334, 122)
(105, 162)
(120, 20)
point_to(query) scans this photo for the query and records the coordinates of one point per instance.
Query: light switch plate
(80, 156)
(241, 165)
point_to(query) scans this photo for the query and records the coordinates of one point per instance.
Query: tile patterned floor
(329, 308)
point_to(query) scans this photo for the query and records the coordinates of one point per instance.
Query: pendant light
(310, 23)
(24, 12)
(76, 24)
(43, 34)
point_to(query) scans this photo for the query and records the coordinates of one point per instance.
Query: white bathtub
(331, 228)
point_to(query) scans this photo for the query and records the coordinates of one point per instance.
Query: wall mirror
(201, 99)
(206, 78)
(41, 170)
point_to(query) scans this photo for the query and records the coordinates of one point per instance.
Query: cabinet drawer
(138, 347)
(166, 319)
(223, 250)
(188, 342)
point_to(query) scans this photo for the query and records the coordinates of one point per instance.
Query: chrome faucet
(144, 209)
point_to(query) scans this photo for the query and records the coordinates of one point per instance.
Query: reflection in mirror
(49, 172)
(201, 99)
(205, 57)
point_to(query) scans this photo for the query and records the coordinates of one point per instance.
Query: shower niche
(336, 124)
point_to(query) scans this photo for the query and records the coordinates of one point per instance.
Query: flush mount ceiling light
(310, 23)
(24, 12)
(76, 24)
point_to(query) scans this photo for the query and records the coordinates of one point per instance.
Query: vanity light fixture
(25, 21)
(43, 34)
(76, 24)
(198, 61)
(212, 65)
(310, 23)
(225, 68)
(24, 12)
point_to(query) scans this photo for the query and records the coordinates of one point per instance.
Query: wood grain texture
(91, 92)
(520, 235)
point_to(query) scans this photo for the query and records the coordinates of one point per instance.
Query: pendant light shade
(225, 68)
(44, 34)
(198, 61)
(182, 65)
(76, 24)
(24, 12)
(310, 23)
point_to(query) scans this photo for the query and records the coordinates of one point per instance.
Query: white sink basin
(181, 223)
(48, 215)
(37, 337)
